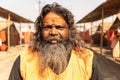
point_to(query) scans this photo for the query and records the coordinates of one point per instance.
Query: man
(55, 52)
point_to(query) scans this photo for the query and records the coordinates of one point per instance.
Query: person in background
(115, 44)
(55, 52)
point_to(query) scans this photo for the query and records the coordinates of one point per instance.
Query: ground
(7, 59)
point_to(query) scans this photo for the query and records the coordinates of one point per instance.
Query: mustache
(58, 38)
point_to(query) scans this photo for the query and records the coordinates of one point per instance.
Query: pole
(84, 34)
(91, 35)
(119, 46)
(20, 33)
(101, 41)
(8, 25)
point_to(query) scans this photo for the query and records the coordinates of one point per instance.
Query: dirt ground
(7, 58)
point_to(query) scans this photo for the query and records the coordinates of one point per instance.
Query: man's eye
(47, 27)
(60, 27)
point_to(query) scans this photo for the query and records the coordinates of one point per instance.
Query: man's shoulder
(27, 52)
(85, 56)
(83, 52)
(29, 55)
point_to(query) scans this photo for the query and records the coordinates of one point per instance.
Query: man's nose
(54, 31)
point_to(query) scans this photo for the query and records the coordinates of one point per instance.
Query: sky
(30, 8)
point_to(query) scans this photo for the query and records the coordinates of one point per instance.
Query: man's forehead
(53, 18)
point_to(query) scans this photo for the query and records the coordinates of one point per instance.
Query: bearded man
(55, 52)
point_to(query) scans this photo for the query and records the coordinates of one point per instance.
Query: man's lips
(53, 41)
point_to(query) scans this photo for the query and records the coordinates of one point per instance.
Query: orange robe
(79, 67)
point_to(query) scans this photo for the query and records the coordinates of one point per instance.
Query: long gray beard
(55, 56)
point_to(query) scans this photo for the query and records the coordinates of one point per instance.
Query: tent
(11, 16)
(104, 10)
(97, 35)
(14, 35)
(116, 23)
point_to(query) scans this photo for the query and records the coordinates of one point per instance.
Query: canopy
(108, 8)
(14, 17)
